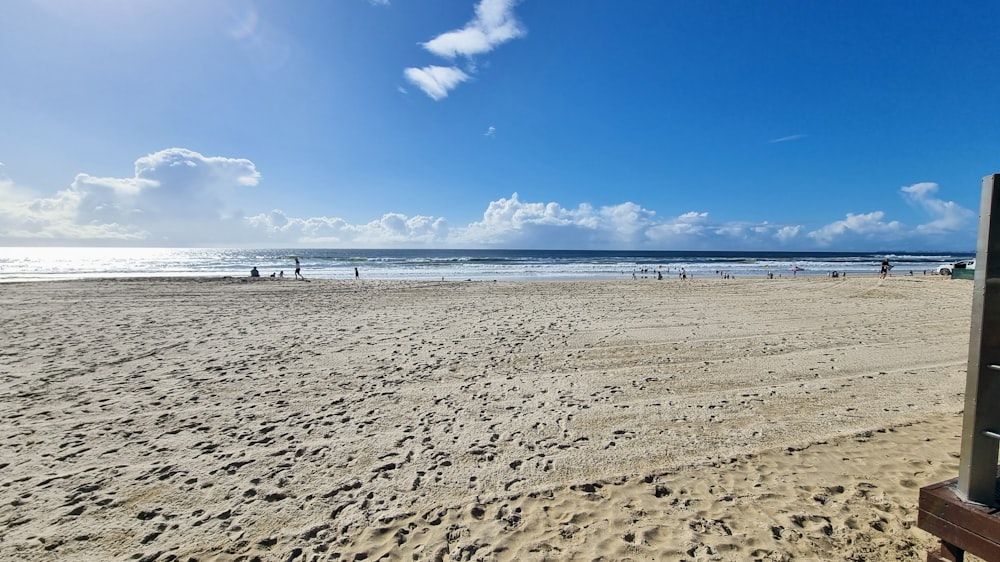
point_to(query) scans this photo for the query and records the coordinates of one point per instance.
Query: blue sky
(554, 124)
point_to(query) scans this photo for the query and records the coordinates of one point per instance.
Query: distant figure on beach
(254, 272)
(356, 274)
(885, 268)
(281, 274)
(297, 270)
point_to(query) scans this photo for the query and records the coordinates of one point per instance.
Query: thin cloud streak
(789, 138)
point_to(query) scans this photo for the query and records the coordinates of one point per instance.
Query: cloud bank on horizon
(179, 197)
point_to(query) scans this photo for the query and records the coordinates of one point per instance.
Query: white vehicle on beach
(947, 268)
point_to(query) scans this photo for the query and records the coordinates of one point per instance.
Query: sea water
(36, 264)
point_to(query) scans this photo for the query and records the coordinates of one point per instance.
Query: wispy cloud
(789, 138)
(494, 24)
(491, 132)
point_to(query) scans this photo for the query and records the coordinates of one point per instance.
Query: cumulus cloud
(174, 196)
(436, 81)
(786, 234)
(859, 226)
(687, 225)
(515, 223)
(696, 231)
(167, 185)
(178, 197)
(949, 224)
(948, 216)
(391, 230)
(494, 24)
(26, 217)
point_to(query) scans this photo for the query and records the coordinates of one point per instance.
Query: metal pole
(977, 471)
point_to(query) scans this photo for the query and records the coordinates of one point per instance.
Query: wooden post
(977, 476)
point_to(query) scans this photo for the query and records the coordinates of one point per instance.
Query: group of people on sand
(254, 272)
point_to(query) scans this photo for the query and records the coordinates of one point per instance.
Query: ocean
(40, 264)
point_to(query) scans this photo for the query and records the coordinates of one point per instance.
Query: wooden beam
(961, 526)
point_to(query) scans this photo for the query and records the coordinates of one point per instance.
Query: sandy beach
(229, 419)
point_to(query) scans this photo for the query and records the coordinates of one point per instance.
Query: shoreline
(552, 279)
(226, 419)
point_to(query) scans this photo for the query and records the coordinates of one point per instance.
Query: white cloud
(868, 226)
(688, 225)
(436, 81)
(175, 195)
(951, 224)
(694, 230)
(392, 230)
(788, 233)
(514, 223)
(493, 25)
(920, 190)
(789, 138)
(179, 197)
(491, 131)
(948, 215)
(517, 224)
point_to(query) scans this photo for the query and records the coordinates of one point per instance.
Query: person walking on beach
(298, 275)
(356, 274)
(885, 269)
